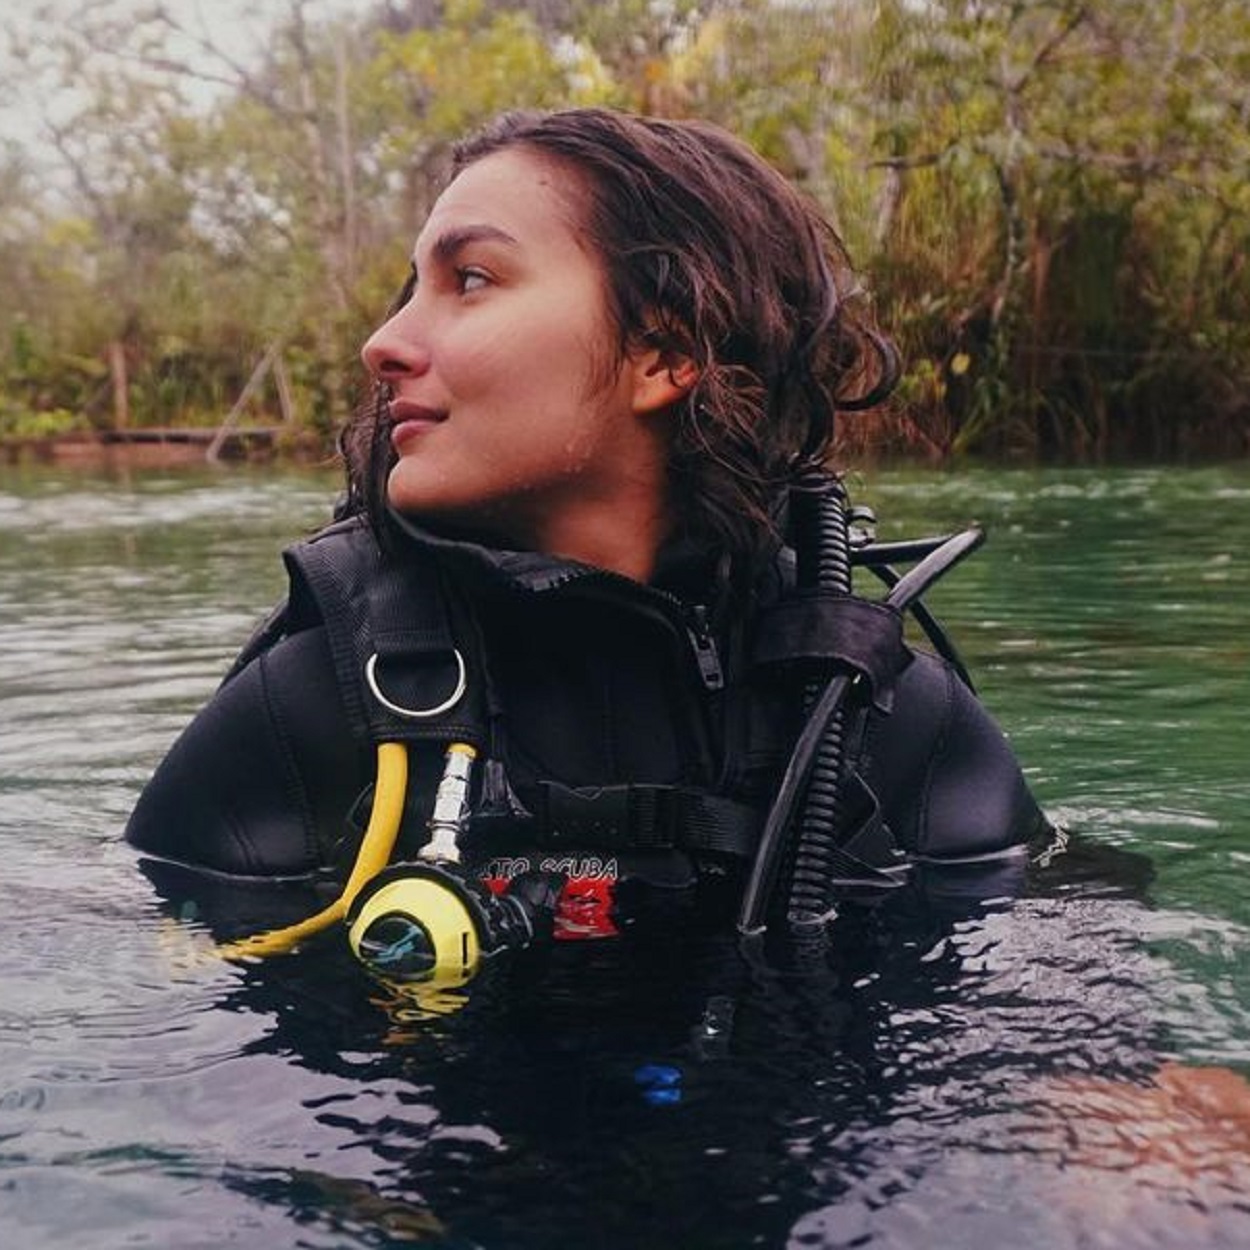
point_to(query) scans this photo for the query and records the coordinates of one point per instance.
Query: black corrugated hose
(800, 859)
(823, 551)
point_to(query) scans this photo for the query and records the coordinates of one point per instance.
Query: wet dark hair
(708, 253)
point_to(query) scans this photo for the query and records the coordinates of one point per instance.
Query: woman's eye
(405, 292)
(469, 278)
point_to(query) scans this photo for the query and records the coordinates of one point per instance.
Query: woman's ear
(663, 375)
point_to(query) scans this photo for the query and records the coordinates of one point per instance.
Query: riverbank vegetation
(1049, 199)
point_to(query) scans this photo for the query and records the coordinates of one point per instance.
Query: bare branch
(913, 162)
(1051, 46)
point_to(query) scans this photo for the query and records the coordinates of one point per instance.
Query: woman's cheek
(483, 357)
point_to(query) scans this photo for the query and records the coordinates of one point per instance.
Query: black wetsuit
(611, 714)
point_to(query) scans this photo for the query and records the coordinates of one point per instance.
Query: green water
(152, 1097)
(1108, 621)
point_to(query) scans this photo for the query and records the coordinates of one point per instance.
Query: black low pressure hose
(823, 551)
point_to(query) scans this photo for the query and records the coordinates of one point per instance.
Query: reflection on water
(1058, 1071)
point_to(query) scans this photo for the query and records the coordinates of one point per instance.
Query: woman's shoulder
(257, 783)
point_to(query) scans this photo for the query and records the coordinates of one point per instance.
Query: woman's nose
(395, 349)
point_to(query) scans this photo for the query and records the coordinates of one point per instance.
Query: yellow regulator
(417, 922)
(421, 924)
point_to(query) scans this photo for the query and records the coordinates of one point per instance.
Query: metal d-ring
(417, 713)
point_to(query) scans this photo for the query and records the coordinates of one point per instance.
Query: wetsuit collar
(684, 570)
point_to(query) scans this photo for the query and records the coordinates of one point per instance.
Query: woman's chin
(413, 491)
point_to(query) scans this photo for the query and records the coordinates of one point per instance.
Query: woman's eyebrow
(452, 241)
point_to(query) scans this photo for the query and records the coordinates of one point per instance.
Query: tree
(1058, 238)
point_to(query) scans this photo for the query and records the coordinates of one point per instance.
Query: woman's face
(513, 410)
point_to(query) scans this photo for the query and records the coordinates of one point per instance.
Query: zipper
(695, 617)
(706, 655)
(663, 606)
(679, 618)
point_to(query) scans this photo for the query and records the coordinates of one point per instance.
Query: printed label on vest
(586, 899)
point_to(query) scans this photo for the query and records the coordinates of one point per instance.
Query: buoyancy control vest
(927, 773)
(415, 648)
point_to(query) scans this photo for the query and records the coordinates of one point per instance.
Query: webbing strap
(833, 627)
(645, 817)
(392, 608)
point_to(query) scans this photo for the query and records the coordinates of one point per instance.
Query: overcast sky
(238, 26)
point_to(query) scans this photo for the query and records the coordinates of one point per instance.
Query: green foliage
(447, 80)
(1049, 198)
(50, 423)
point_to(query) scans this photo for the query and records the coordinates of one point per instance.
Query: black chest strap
(619, 817)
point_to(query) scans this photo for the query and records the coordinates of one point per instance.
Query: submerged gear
(642, 727)
(419, 921)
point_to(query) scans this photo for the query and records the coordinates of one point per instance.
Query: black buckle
(614, 817)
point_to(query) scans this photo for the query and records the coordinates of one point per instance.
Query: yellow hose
(375, 851)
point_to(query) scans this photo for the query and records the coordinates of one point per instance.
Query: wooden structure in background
(271, 361)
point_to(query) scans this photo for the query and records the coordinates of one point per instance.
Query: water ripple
(1054, 1072)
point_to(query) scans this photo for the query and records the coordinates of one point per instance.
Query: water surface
(1059, 1070)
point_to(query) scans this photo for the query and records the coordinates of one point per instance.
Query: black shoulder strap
(400, 672)
(831, 627)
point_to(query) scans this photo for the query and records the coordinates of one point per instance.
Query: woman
(618, 357)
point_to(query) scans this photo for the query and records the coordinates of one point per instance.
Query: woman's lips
(411, 420)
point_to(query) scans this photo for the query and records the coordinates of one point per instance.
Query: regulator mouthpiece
(398, 945)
